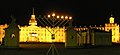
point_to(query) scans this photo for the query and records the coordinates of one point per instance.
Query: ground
(109, 50)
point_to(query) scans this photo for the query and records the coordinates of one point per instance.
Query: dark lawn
(62, 51)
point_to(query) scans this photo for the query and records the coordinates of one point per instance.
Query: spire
(33, 21)
(33, 15)
(33, 11)
(111, 14)
(111, 19)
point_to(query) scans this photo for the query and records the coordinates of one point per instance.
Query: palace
(34, 33)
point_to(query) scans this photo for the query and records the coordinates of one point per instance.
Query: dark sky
(84, 12)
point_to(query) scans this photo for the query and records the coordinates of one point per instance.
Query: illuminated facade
(34, 33)
(114, 27)
(2, 31)
(41, 34)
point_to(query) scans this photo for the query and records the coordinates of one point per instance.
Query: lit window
(97, 27)
(103, 28)
(45, 34)
(112, 24)
(12, 35)
(108, 24)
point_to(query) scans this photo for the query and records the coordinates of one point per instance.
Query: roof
(95, 30)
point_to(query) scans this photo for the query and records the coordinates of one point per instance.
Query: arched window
(12, 35)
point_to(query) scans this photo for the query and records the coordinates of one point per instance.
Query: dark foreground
(111, 50)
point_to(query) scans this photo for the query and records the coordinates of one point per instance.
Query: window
(117, 29)
(62, 30)
(109, 25)
(29, 30)
(3, 32)
(41, 34)
(114, 28)
(45, 34)
(62, 34)
(59, 34)
(72, 37)
(48, 35)
(114, 39)
(12, 35)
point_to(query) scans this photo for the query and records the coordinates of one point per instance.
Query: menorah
(54, 21)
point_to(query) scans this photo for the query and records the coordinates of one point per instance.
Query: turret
(111, 19)
(33, 21)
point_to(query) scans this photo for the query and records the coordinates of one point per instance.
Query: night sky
(84, 12)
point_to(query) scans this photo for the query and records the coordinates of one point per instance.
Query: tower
(11, 38)
(114, 27)
(71, 36)
(111, 19)
(33, 21)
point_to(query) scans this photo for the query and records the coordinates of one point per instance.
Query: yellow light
(13, 35)
(58, 17)
(62, 17)
(48, 16)
(66, 17)
(111, 20)
(53, 14)
(34, 34)
(70, 17)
